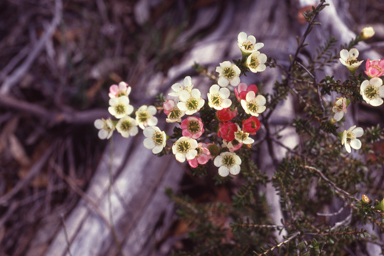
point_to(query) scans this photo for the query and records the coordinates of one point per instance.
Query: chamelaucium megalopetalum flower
(192, 127)
(119, 107)
(218, 97)
(339, 108)
(228, 163)
(190, 102)
(155, 139)
(123, 89)
(247, 44)
(185, 148)
(349, 138)
(174, 114)
(106, 128)
(177, 88)
(145, 116)
(256, 62)
(349, 59)
(372, 91)
(127, 126)
(253, 105)
(228, 74)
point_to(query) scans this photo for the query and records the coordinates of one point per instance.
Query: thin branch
(315, 84)
(66, 235)
(334, 213)
(18, 74)
(280, 244)
(75, 117)
(35, 169)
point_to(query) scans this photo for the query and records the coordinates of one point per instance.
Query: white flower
(218, 97)
(366, 33)
(242, 137)
(248, 44)
(372, 91)
(227, 162)
(228, 74)
(339, 108)
(191, 102)
(349, 59)
(349, 138)
(145, 116)
(127, 126)
(185, 148)
(253, 105)
(156, 139)
(106, 128)
(119, 107)
(255, 62)
(178, 87)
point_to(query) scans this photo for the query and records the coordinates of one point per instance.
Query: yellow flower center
(193, 127)
(229, 73)
(143, 116)
(120, 109)
(183, 146)
(126, 125)
(192, 104)
(252, 106)
(228, 161)
(158, 138)
(371, 92)
(216, 100)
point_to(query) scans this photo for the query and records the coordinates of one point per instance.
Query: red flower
(251, 125)
(226, 114)
(243, 89)
(227, 131)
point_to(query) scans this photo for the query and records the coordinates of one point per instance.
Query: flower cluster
(194, 144)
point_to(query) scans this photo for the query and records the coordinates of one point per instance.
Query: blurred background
(58, 59)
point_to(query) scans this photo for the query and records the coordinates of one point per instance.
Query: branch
(20, 72)
(75, 117)
(280, 244)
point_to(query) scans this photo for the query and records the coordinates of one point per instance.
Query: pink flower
(173, 113)
(374, 68)
(122, 89)
(226, 114)
(227, 131)
(202, 157)
(243, 89)
(192, 127)
(251, 125)
(232, 145)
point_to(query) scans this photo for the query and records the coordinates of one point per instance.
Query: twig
(35, 169)
(66, 234)
(75, 117)
(81, 193)
(251, 225)
(280, 244)
(333, 214)
(20, 72)
(13, 62)
(316, 85)
(343, 222)
(109, 201)
(337, 189)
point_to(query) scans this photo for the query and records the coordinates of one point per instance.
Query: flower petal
(184, 96)
(344, 54)
(214, 89)
(99, 124)
(252, 39)
(157, 149)
(187, 81)
(338, 116)
(381, 91)
(149, 131)
(377, 82)
(234, 170)
(151, 110)
(224, 93)
(180, 157)
(250, 96)
(235, 81)
(258, 46)
(242, 37)
(348, 147)
(133, 131)
(356, 144)
(226, 103)
(358, 132)
(223, 82)
(353, 53)
(218, 161)
(152, 121)
(260, 100)
(223, 171)
(149, 143)
(196, 93)
(102, 134)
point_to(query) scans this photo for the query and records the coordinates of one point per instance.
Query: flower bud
(366, 33)
(365, 199)
(380, 205)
